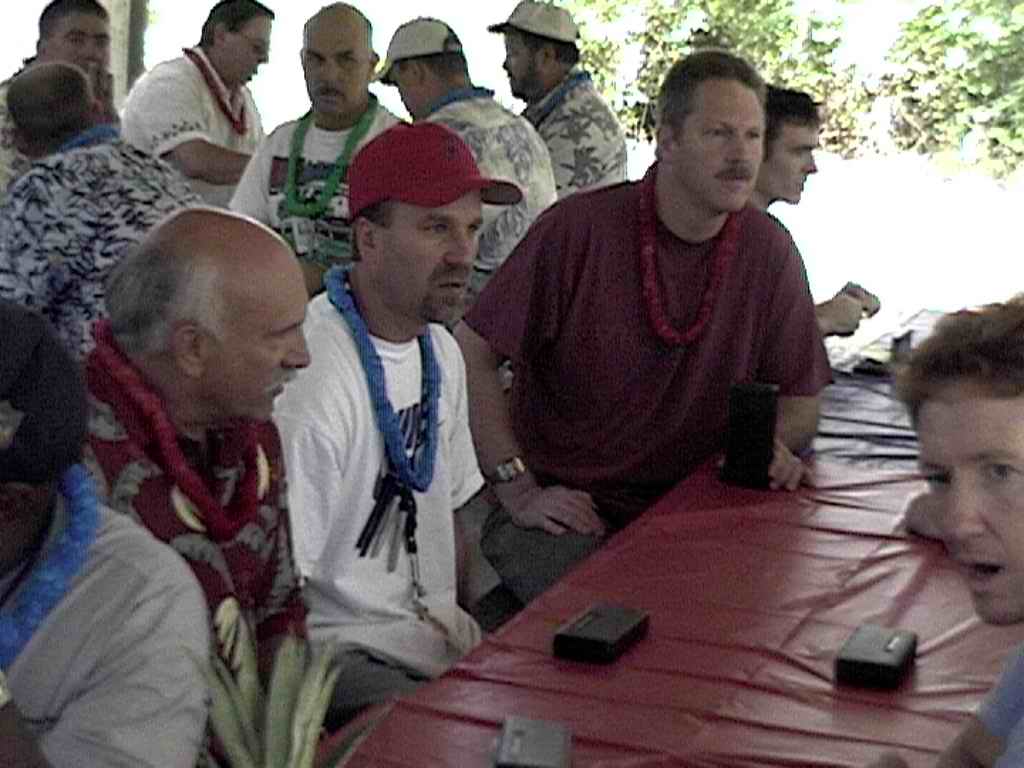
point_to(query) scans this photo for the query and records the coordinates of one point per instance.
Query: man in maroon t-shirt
(627, 314)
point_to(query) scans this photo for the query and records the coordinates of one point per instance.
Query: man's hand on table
(786, 471)
(841, 315)
(869, 302)
(555, 508)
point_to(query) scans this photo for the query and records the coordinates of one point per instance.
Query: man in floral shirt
(205, 329)
(587, 146)
(67, 221)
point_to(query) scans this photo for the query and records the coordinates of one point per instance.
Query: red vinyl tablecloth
(750, 595)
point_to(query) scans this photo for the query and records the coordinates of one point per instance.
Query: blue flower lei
(419, 476)
(100, 134)
(50, 579)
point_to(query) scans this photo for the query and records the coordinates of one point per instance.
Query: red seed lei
(237, 124)
(724, 250)
(222, 523)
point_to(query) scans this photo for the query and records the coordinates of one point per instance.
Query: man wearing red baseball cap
(376, 430)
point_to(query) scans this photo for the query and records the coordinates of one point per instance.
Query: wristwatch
(5, 692)
(508, 470)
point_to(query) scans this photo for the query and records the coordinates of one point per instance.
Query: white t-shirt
(325, 240)
(172, 104)
(335, 454)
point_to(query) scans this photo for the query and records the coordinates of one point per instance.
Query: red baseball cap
(424, 164)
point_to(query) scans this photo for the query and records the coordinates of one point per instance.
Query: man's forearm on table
(489, 417)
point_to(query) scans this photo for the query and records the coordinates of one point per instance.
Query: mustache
(327, 90)
(736, 172)
(283, 379)
(447, 274)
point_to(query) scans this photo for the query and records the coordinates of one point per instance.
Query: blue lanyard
(421, 475)
(100, 134)
(555, 99)
(460, 94)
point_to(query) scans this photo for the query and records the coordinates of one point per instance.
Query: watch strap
(508, 470)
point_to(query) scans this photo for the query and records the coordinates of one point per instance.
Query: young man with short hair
(87, 199)
(792, 130)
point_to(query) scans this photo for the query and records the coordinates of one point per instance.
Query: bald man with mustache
(296, 183)
(205, 330)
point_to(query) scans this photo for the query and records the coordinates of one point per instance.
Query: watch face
(509, 470)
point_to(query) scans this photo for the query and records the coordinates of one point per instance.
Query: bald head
(338, 63)
(197, 265)
(341, 16)
(50, 103)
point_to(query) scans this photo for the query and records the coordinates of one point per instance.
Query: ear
(191, 349)
(666, 139)
(220, 31)
(367, 237)
(25, 145)
(546, 58)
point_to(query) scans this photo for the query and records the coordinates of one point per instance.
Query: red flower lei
(222, 524)
(238, 124)
(724, 250)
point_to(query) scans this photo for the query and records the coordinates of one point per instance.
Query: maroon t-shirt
(598, 401)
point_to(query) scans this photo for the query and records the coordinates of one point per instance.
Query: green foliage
(952, 85)
(280, 728)
(785, 47)
(956, 82)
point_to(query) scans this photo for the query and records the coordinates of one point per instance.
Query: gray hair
(152, 290)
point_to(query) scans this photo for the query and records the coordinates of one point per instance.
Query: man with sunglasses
(196, 111)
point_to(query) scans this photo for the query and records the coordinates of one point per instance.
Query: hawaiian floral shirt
(587, 145)
(66, 222)
(12, 162)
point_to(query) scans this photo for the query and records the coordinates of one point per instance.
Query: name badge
(303, 235)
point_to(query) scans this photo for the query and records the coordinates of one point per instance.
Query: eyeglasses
(260, 48)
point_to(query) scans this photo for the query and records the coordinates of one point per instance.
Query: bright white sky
(279, 88)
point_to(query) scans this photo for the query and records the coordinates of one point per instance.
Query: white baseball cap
(419, 37)
(541, 19)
